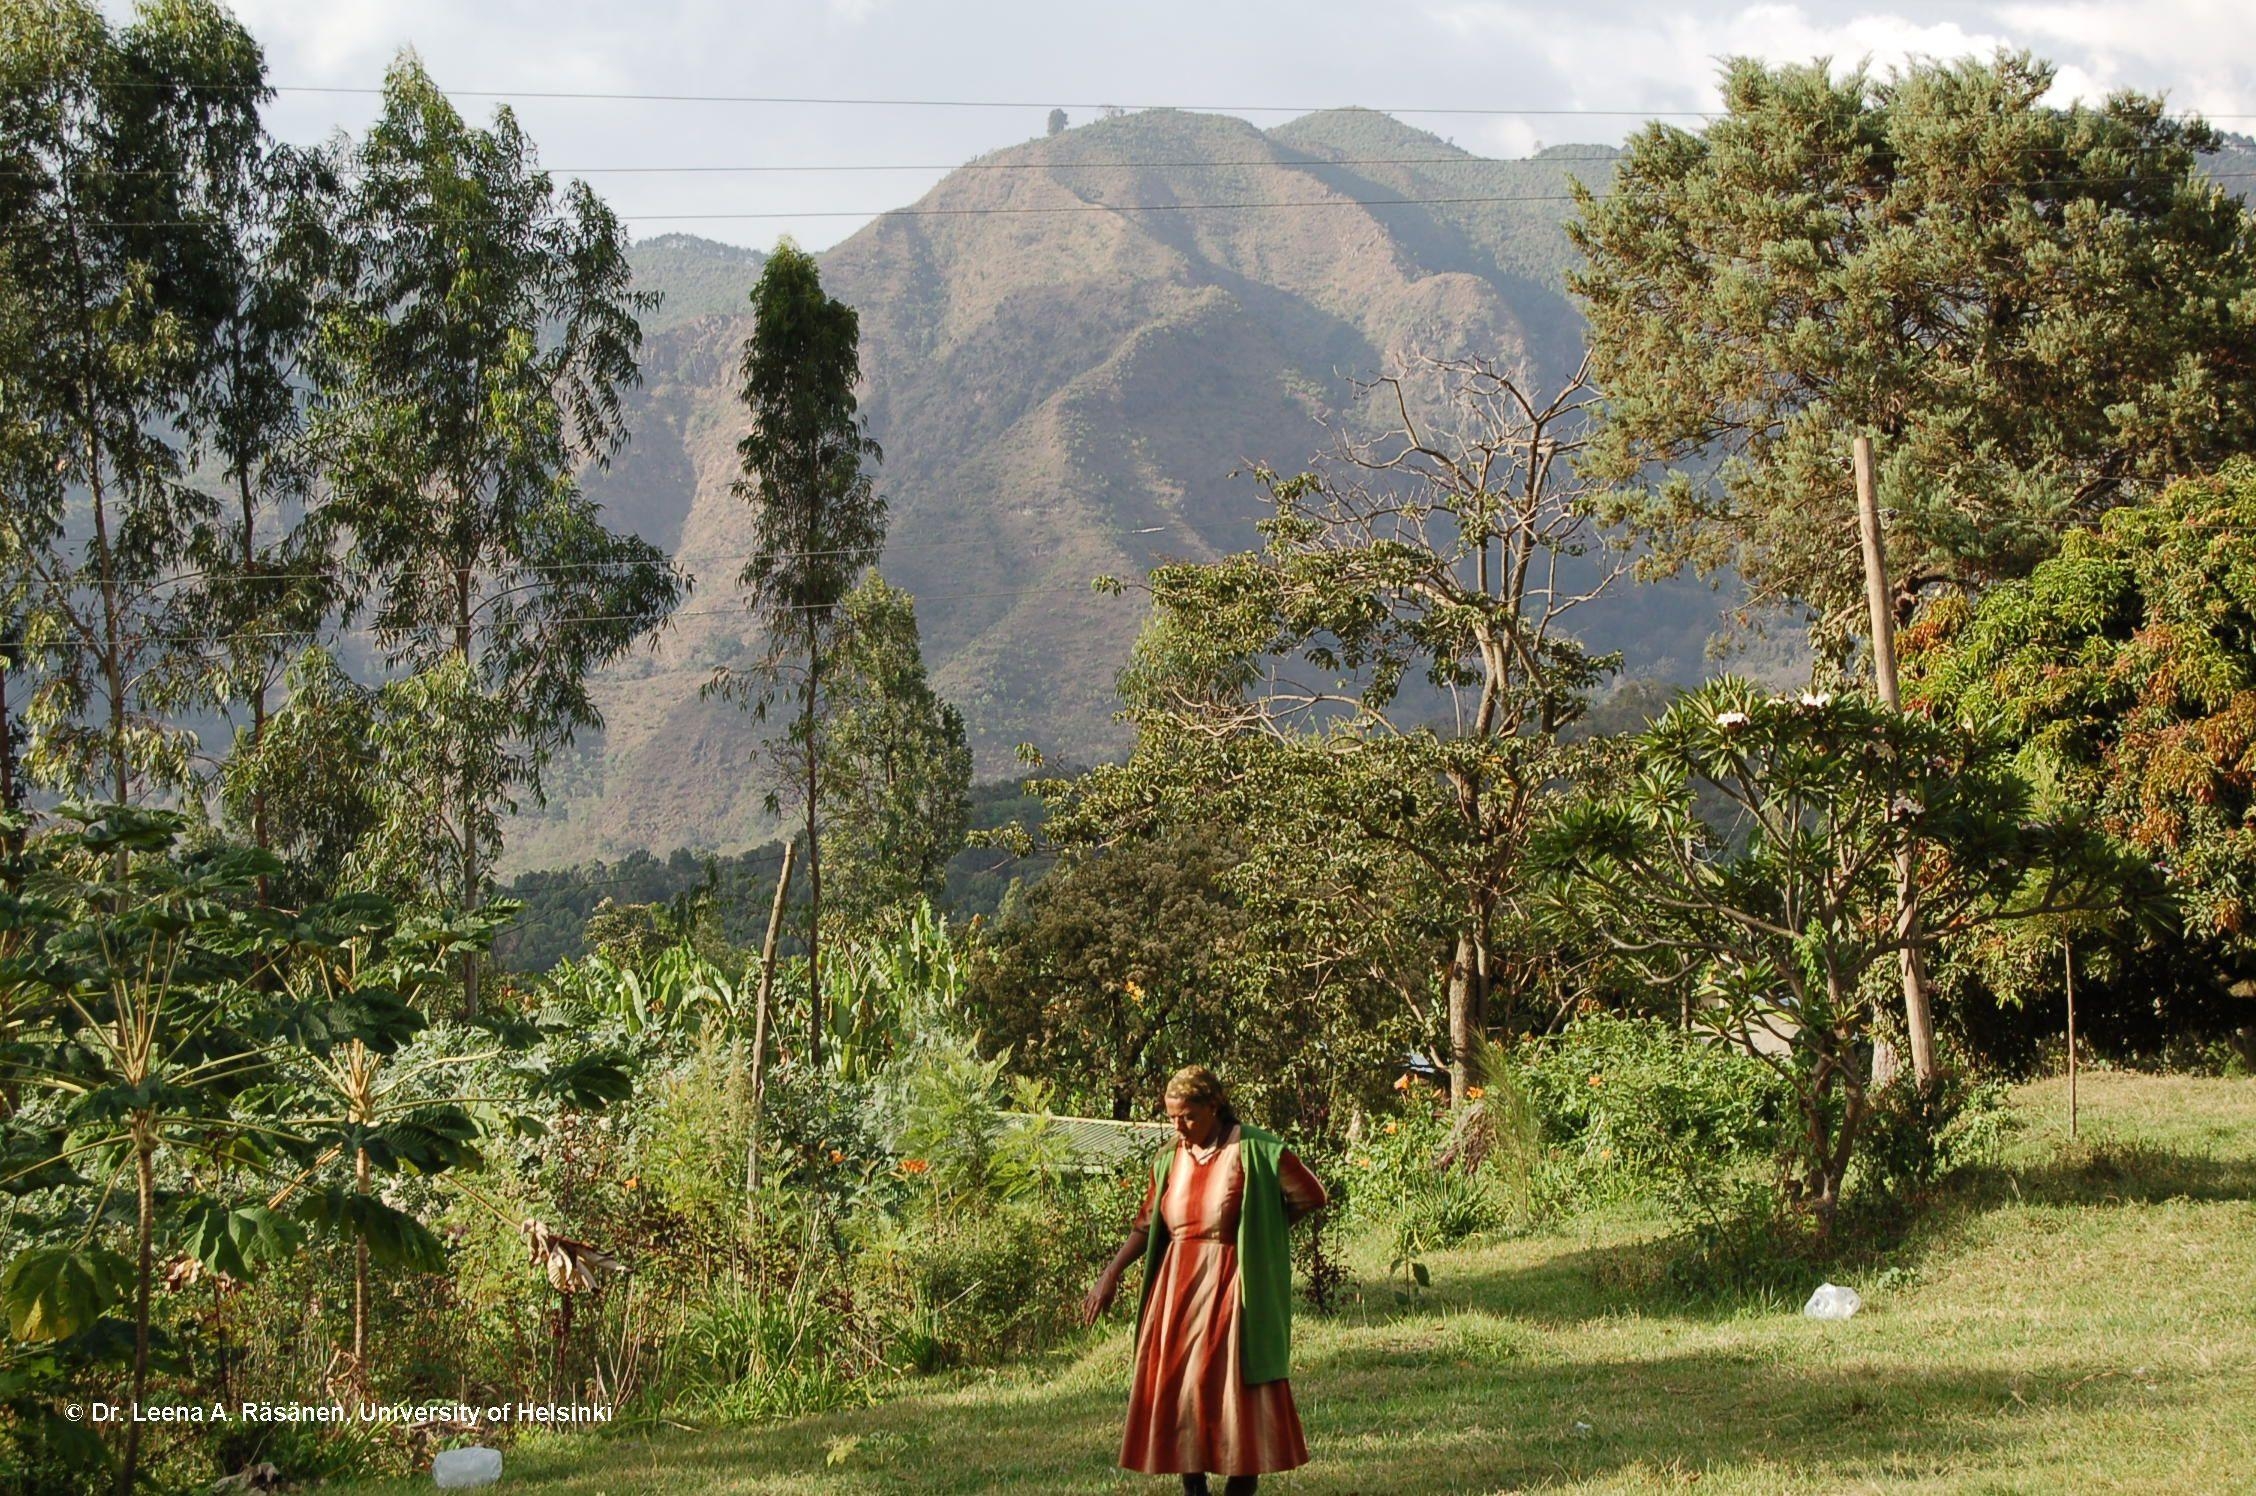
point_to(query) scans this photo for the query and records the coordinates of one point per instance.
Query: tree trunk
(145, 1183)
(7, 737)
(258, 687)
(760, 1026)
(1464, 1014)
(468, 807)
(814, 868)
(113, 662)
(2068, 973)
(1919, 1024)
(360, 1286)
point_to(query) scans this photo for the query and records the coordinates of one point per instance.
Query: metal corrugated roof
(1100, 1142)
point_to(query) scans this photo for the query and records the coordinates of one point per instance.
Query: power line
(1601, 154)
(1490, 111)
(376, 630)
(1009, 209)
(566, 567)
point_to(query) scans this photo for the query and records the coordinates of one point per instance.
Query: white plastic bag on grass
(1832, 1301)
(475, 1466)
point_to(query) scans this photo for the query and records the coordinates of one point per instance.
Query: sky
(993, 70)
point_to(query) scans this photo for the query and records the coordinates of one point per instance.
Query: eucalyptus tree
(315, 780)
(121, 151)
(899, 769)
(265, 578)
(817, 524)
(473, 367)
(1378, 697)
(2036, 311)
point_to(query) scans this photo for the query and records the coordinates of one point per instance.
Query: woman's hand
(1099, 1297)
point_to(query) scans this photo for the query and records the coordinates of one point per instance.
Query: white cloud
(1669, 59)
(2200, 52)
(1630, 55)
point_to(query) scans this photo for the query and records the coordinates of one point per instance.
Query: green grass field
(2078, 1320)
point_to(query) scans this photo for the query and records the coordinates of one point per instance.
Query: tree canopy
(2124, 672)
(2037, 312)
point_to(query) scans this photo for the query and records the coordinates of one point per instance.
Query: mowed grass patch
(2078, 1317)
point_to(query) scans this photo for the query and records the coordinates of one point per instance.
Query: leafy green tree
(817, 524)
(2036, 312)
(2123, 672)
(1378, 698)
(475, 364)
(1117, 969)
(311, 775)
(1778, 919)
(121, 155)
(897, 771)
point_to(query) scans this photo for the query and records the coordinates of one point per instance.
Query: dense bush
(1632, 1106)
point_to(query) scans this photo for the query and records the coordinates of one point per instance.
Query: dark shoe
(1195, 1485)
(1240, 1485)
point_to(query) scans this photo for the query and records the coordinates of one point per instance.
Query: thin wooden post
(760, 1029)
(2068, 966)
(1919, 1022)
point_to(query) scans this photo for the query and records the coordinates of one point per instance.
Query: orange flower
(914, 1166)
(837, 1157)
(1597, 1080)
(1475, 1093)
(1402, 1082)
(634, 1181)
(1394, 1127)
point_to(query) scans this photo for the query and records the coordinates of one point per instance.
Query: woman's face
(1195, 1121)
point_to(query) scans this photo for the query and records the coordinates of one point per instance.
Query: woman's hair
(1199, 1084)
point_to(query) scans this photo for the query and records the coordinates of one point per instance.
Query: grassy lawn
(2080, 1320)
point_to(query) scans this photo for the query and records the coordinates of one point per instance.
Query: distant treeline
(557, 902)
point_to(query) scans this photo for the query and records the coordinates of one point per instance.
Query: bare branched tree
(1382, 690)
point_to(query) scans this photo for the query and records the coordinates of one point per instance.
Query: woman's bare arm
(1102, 1292)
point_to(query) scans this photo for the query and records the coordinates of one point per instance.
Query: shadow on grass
(1478, 1413)
(2111, 1172)
(1668, 1276)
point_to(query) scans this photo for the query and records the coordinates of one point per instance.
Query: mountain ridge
(1068, 351)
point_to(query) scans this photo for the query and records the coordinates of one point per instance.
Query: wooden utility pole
(1919, 1023)
(2068, 967)
(760, 1027)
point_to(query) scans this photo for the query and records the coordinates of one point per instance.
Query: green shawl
(1264, 1257)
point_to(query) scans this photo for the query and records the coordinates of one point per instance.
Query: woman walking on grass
(1214, 1327)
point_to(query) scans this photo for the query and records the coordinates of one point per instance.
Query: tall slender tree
(899, 768)
(818, 523)
(472, 368)
(266, 578)
(121, 150)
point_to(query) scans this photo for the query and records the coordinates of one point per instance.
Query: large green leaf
(394, 1238)
(54, 1292)
(236, 1241)
(427, 1142)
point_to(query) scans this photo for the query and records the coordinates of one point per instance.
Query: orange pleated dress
(1189, 1409)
